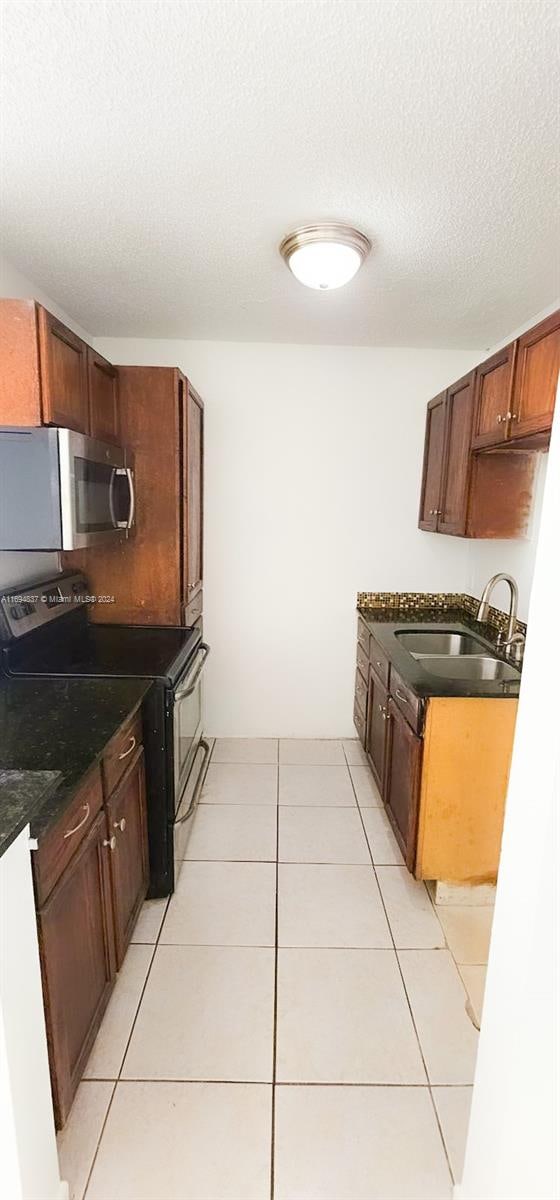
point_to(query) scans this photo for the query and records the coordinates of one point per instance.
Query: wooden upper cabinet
(536, 379)
(493, 398)
(64, 374)
(193, 481)
(456, 457)
(433, 460)
(103, 398)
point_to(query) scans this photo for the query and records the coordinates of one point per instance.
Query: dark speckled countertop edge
(22, 793)
(62, 725)
(384, 624)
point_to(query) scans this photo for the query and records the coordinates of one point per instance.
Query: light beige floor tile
(245, 750)
(474, 979)
(236, 832)
(382, 841)
(354, 752)
(467, 931)
(343, 1017)
(222, 904)
(77, 1142)
(358, 1143)
(206, 1014)
(448, 1038)
(185, 1141)
(322, 835)
(240, 783)
(454, 1108)
(149, 921)
(315, 751)
(313, 785)
(108, 1049)
(365, 787)
(413, 922)
(330, 906)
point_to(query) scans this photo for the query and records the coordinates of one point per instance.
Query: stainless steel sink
(473, 667)
(426, 642)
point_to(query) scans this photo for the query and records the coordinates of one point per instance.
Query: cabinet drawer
(119, 752)
(379, 660)
(193, 610)
(361, 692)
(362, 662)
(411, 706)
(360, 723)
(363, 636)
(61, 842)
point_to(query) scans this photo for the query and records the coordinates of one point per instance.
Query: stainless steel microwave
(60, 490)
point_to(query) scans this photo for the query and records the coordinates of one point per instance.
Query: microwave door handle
(114, 521)
(132, 493)
(192, 681)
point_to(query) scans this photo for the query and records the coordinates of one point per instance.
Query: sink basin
(448, 643)
(481, 667)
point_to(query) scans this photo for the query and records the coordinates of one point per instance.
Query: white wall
(313, 463)
(24, 567)
(512, 1146)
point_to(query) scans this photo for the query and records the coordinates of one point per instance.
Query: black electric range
(45, 631)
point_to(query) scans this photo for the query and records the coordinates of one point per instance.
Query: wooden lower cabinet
(376, 729)
(402, 781)
(77, 946)
(126, 813)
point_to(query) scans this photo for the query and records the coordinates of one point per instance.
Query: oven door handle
(202, 745)
(192, 681)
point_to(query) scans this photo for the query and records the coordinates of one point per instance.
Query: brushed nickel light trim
(326, 234)
(345, 235)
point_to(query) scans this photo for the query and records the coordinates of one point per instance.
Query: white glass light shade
(325, 257)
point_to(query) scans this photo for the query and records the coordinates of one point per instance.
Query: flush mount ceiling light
(325, 256)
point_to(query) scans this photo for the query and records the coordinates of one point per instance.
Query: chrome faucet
(513, 643)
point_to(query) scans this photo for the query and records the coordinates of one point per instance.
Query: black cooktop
(89, 651)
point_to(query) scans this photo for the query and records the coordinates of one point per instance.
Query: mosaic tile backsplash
(410, 602)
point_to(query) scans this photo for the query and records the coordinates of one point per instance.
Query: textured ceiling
(154, 153)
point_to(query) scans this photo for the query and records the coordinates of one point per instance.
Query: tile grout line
(125, 1051)
(406, 994)
(275, 1010)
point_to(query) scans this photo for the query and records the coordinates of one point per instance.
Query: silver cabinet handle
(69, 832)
(120, 824)
(110, 842)
(400, 696)
(126, 753)
(377, 663)
(132, 504)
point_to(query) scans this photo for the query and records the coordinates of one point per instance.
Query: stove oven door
(187, 722)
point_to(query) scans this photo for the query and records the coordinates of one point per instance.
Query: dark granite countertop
(385, 624)
(60, 725)
(21, 794)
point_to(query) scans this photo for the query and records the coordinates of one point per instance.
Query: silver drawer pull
(400, 696)
(379, 664)
(69, 832)
(110, 842)
(120, 824)
(126, 753)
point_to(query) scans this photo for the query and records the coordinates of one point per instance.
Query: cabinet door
(536, 378)
(193, 480)
(103, 398)
(376, 729)
(126, 812)
(63, 366)
(402, 781)
(457, 457)
(493, 398)
(433, 462)
(77, 961)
